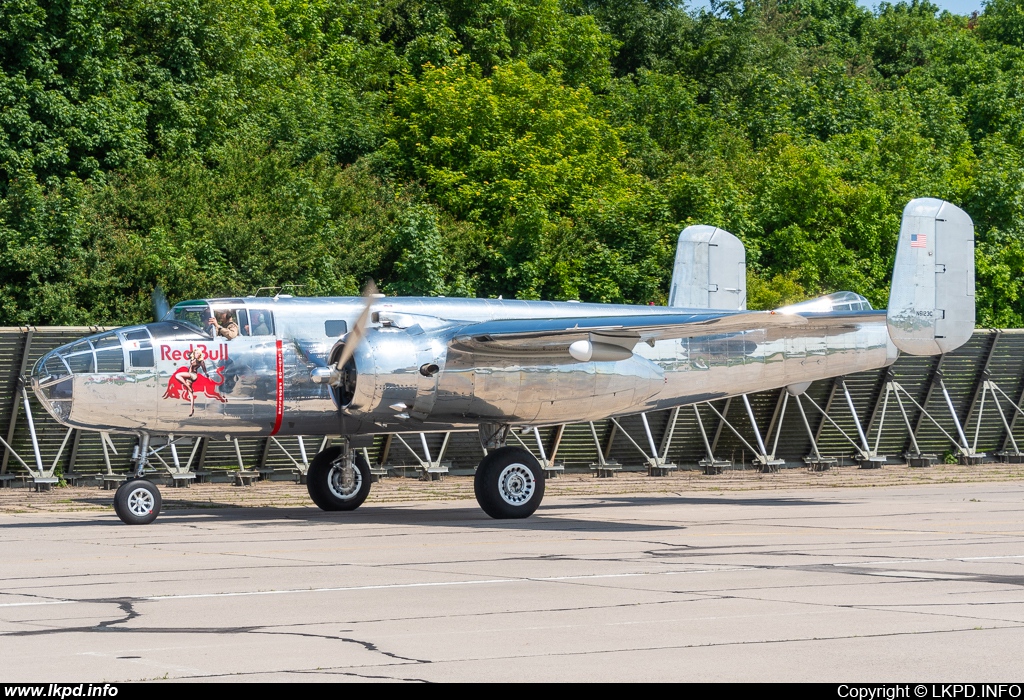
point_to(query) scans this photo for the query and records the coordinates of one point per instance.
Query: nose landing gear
(137, 501)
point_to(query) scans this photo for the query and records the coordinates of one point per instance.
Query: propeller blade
(160, 305)
(358, 332)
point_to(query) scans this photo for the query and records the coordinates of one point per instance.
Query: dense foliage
(529, 148)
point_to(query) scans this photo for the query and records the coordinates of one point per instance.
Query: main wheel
(334, 486)
(137, 502)
(509, 483)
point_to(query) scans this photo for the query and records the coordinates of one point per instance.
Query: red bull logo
(189, 380)
(219, 353)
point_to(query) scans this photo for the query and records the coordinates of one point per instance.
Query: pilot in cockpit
(225, 325)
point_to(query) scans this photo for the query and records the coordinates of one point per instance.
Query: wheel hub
(140, 502)
(344, 480)
(516, 484)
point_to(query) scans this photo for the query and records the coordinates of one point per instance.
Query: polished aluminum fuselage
(267, 386)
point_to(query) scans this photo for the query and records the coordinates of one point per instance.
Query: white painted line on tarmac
(387, 586)
(537, 579)
(427, 584)
(39, 602)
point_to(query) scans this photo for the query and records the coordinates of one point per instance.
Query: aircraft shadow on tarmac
(553, 517)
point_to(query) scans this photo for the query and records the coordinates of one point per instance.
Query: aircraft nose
(53, 385)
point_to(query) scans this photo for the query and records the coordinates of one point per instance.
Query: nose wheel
(509, 483)
(137, 502)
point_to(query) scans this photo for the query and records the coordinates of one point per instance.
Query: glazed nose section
(53, 377)
(53, 384)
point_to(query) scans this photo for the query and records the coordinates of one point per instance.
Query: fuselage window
(335, 329)
(110, 360)
(141, 358)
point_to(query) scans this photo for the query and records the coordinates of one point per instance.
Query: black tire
(137, 502)
(326, 486)
(509, 483)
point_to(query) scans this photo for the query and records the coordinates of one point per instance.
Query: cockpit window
(226, 319)
(196, 315)
(228, 323)
(261, 322)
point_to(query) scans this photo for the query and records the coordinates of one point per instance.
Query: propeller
(355, 336)
(160, 305)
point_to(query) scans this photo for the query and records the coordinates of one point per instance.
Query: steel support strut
(709, 463)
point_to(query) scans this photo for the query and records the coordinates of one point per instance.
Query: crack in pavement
(127, 606)
(369, 646)
(754, 642)
(363, 675)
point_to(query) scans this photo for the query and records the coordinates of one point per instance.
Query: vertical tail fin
(931, 302)
(710, 270)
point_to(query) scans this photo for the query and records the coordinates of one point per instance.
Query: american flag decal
(918, 240)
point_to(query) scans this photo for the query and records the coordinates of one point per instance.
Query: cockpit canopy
(839, 301)
(227, 318)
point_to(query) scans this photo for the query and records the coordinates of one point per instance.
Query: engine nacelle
(408, 374)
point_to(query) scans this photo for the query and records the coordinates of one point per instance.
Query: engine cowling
(395, 373)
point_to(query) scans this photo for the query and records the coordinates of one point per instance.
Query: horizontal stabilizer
(931, 302)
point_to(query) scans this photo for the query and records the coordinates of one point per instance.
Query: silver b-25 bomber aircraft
(362, 366)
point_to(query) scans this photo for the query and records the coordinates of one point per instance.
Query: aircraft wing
(554, 336)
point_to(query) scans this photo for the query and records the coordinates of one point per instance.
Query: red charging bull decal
(193, 378)
(279, 406)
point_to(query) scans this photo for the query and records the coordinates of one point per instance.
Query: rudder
(710, 270)
(931, 301)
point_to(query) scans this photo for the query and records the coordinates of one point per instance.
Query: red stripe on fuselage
(279, 405)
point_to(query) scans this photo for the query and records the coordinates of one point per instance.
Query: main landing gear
(338, 479)
(509, 481)
(137, 501)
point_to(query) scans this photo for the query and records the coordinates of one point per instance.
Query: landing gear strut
(338, 479)
(137, 501)
(509, 483)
